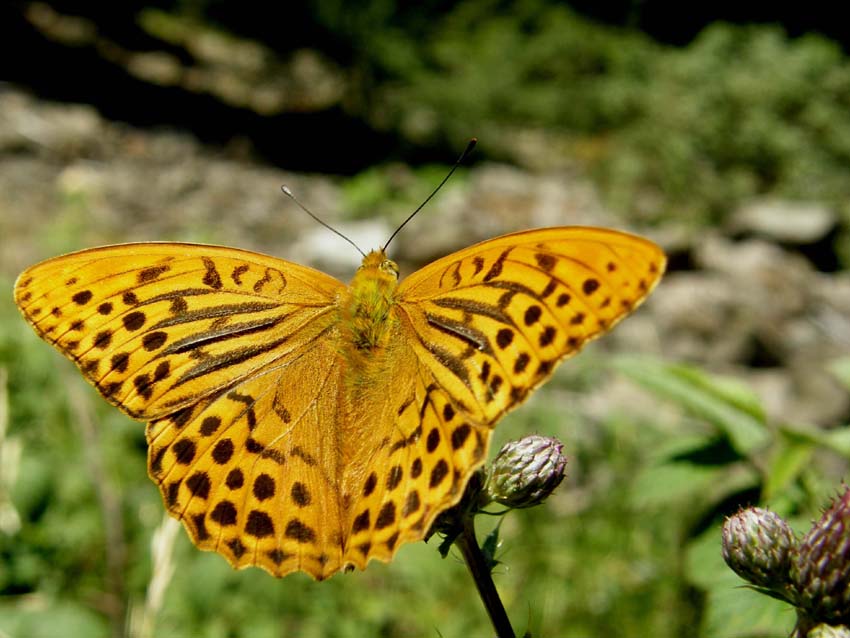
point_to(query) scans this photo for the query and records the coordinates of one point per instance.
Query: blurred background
(719, 130)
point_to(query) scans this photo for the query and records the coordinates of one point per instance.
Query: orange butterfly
(295, 423)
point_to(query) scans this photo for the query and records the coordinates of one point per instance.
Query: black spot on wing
(211, 277)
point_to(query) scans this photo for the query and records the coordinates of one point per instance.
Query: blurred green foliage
(735, 456)
(629, 546)
(690, 132)
(392, 191)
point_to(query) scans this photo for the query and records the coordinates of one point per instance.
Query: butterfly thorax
(368, 301)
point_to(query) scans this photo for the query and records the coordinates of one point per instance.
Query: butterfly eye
(390, 267)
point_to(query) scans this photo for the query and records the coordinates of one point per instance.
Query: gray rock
(785, 221)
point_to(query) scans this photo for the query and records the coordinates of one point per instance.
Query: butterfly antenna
(291, 196)
(457, 163)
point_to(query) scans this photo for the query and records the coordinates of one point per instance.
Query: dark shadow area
(679, 23)
(295, 141)
(337, 139)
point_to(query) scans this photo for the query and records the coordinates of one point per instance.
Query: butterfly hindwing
(252, 471)
(422, 451)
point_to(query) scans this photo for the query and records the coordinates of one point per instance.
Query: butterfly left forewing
(158, 326)
(492, 321)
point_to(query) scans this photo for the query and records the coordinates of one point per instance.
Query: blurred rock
(763, 313)
(72, 179)
(768, 285)
(804, 393)
(49, 130)
(499, 199)
(331, 253)
(701, 319)
(784, 221)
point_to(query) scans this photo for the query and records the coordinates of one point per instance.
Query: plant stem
(110, 505)
(480, 571)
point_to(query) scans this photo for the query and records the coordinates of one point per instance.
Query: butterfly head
(376, 265)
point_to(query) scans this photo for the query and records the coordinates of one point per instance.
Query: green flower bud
(758, 546)
(525, 472)
(821, 569)
(828, 631)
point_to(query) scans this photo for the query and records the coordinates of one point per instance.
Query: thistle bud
(758, 546)
(828, 631)
(525, 472)
(821, 569)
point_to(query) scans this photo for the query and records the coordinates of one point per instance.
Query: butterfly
(296, 423)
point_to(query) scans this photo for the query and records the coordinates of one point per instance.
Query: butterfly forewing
(156, 327)
(492, 321)
(225, 352)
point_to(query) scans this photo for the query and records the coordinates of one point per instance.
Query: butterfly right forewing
(493, 321)
(475, 332)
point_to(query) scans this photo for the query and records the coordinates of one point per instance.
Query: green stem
(480, 571)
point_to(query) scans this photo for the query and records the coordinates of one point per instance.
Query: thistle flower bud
(758, 546)
(828, 631)
(525, 472)
(821, 569)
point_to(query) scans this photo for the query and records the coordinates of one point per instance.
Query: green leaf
(671, 482)
(63, 619)
(840, 368)
(724, 402)
(702, 486)
(791, 457)
(490, 545)
(837, 440)
(704, 564)
(736, 611)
